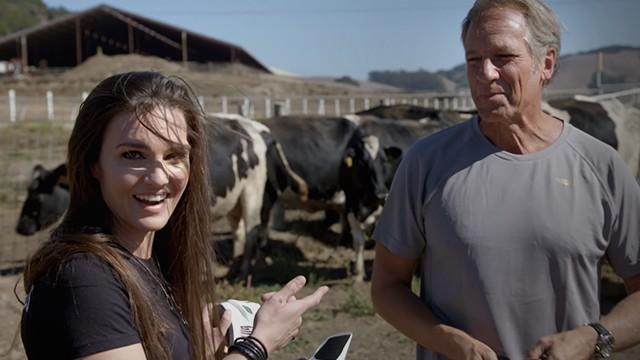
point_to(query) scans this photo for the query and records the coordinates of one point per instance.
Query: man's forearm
(624, 321)
(399, 306)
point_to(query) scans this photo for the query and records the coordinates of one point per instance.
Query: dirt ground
(346, 308)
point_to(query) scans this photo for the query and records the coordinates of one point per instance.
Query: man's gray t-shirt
(510, 244)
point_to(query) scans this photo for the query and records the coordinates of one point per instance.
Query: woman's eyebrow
(135, 145)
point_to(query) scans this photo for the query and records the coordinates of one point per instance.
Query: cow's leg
(358, 246)
(237, 223)
(252, 207)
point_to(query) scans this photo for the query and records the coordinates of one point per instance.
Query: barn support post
(415, 101)
(12, 105)
(130, 38)
(336, 106)
(50, 112)
(403, 101)
(224, 105)
(184, 49)
(352, 105)
(320, 106)
(24, 54)
(305, 106)
(366, 103)
(287, 106)
(454, 104)
(78, 41)
(425, 102)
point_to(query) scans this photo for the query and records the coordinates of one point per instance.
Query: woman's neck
(139, 244)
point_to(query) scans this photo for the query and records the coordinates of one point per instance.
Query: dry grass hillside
(211, 80)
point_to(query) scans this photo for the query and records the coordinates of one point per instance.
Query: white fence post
(425, 102)
(267, 107)
(366, 103)
(352, 105)
(224, 105)
(436, 103)
(320, 106)
(336, 106)
(446, 104)
(12, 105)
(245, 107)
(454, 104)
(287, 106)
(403, 101)
(415, 102)
(305, 106)
(49, 105)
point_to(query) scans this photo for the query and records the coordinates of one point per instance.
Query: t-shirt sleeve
(624, 241)
(401, 226)
(88, 304)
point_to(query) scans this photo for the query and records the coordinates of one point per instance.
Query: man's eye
(132, 155)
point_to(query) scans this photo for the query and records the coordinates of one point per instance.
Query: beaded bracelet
(250, 347)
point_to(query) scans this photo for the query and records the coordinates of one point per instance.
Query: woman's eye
(132, 155)
(178, 155)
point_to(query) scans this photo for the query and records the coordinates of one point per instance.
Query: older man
(509, 215)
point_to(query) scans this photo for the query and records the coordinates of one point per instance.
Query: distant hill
(621, 65)
(574, 71)
(20, 14)
(420, 80)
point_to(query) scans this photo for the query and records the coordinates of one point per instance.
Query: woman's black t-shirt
(85, 310)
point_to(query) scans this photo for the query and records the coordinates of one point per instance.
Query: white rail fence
(15, 107)
(49, 106)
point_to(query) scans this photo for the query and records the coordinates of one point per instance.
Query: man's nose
(489, 71)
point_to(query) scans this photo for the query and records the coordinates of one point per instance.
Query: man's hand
(576, 344)
(465, 347)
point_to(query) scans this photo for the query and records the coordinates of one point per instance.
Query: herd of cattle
(345, 164)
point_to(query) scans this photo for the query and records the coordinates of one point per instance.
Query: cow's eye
(132, 155)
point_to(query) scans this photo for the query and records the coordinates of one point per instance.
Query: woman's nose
(157, 173)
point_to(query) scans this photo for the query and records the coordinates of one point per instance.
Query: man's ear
(549, 64)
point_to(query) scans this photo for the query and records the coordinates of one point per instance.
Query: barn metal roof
(69, 40)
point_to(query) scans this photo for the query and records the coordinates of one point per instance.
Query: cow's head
(46, 201)
(362, 175)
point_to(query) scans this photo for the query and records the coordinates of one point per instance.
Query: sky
(338, 37)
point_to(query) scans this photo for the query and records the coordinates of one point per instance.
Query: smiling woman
(128, 273)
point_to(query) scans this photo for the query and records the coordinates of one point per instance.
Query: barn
(67, 41)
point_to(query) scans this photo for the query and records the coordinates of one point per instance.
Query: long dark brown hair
(182, 247)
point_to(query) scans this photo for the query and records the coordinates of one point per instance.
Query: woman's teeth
(151, 198)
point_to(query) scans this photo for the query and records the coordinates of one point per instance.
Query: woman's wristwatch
(604, 345)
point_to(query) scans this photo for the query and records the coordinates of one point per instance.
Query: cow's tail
(298, 185)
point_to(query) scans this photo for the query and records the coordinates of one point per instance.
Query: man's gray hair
(542, 25)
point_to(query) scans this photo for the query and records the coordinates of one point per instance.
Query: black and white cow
(413, 112)
(341, 167)
(47, 199)
(396, 136)
(238, 155)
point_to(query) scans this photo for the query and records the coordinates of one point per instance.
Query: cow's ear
(393, 153)
(38, 171)
(348, 157)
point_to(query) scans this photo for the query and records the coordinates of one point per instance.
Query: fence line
(65, 108)
(15, 107)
